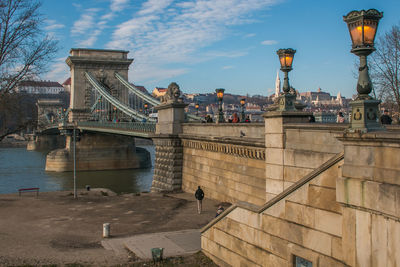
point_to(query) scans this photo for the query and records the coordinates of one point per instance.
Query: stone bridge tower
(102, 64)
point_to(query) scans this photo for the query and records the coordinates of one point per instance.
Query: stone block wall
(306, 222)
(230, 172)
(295, 149)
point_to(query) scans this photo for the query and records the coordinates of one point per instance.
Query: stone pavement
(175, 243)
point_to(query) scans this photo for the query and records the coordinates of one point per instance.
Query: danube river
(20, 168)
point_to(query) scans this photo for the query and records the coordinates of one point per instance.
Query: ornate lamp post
(145, 108)
(287, 99)
(362, 27)
(242, 102)
(197, 109)
(220, 96)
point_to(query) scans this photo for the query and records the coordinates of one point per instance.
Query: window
(300, 262)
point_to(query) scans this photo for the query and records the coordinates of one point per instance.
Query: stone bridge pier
(95, 151)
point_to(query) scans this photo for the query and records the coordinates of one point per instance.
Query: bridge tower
(102, 64)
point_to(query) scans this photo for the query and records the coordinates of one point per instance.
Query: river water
(20, 168)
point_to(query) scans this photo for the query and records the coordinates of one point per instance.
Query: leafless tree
(385, 67)
(25, 50)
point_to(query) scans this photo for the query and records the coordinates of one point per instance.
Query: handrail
(259, 209)
(125, 109)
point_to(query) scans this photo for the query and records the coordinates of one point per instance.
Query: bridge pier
(96, 151)
(169, 150)
(45, 142)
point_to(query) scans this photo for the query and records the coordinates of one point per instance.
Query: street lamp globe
(286, 58)
(220, 93)
(242, 102)
(362, 27)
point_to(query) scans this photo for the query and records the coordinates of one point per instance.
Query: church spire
(277, 85)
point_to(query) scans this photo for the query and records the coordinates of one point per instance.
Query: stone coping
(259, 209)
(336, 127)
(381, 137)
(255, 142)
(100, 50)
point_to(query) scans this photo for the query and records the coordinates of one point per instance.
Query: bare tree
(25, 51)
(385, 67)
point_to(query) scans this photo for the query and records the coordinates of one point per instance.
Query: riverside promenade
(55, 228)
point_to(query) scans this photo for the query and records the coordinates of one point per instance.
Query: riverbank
(55, 228)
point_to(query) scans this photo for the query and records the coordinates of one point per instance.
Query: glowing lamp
(196, 106)
(242, 101)
(220, 93)
(286, 58)
(362, 27)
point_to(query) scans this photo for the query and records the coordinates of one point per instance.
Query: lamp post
(287, 99)
(197, 109)
(145, 108)
(362, 27)
(220, 96)
(242, 103)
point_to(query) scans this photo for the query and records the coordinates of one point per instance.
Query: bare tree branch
(25, 51)
(385, 67)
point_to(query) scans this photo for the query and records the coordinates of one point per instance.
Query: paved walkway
(175, 243)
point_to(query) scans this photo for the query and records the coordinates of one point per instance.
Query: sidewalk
(176, 243)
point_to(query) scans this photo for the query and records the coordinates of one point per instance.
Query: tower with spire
(277, 85)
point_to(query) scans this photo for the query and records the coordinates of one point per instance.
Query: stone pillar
(275, 147)
(102, 64)
(369, 190)
(169, 150)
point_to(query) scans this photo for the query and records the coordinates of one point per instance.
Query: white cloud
(59, 71)
(158, 37)
(227, 67)
(53, 25)
(269, 42)
(249, 35)
(85, 23)
(118, 5)
(154, 6)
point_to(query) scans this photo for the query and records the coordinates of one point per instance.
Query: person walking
(199, 195)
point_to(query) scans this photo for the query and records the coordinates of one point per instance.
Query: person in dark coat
(385, 118)
(199, 195)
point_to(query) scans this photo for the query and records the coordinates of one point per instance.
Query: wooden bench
(29, 190)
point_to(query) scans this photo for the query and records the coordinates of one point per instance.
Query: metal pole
(74, 133)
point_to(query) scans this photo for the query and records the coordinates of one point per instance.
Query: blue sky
(208, 44)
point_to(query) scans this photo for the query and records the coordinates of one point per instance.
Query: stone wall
(304, 221)
(227, 169)
(343, 213)
(250, 130)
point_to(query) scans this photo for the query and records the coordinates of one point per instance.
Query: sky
(207, 44)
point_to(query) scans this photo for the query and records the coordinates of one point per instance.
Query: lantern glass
(145, 105)
(286, 60)
(362, 26)
(242, 101)
(196, 106)
(358, 31)
(220, 93)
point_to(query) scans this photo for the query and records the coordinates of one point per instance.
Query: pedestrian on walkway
(219, 211)
(199, 195)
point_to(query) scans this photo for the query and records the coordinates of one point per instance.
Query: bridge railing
(148, 127)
